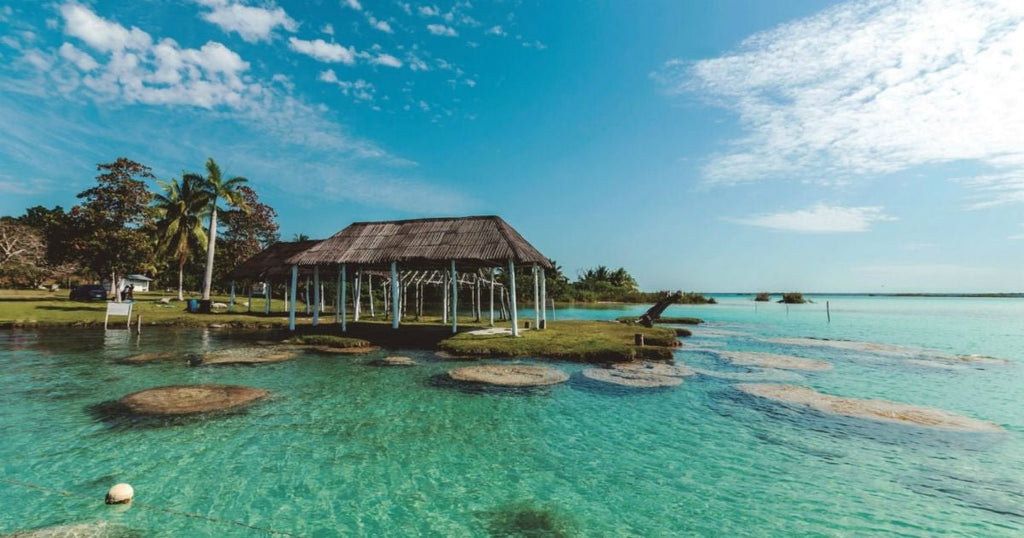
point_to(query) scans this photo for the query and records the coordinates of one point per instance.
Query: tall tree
(22, 252)
(180, 232)
(245, 233)
(114, 224)
(218, 188)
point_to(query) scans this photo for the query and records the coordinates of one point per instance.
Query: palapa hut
(444, 245)
(267, 266)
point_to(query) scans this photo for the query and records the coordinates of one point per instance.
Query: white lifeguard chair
(119, 309)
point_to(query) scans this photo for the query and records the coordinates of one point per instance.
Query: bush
(793, 298)
(763, 297)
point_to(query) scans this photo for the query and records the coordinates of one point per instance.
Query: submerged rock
(630, 378)
(770, 360)
(248, 355)
(151, 357)
(91, 529)
(511, 375)
(343, 350)
(396, 361)
(190, 399)
(756, 374)
(881, 410)
(889, 350)
(656, 368)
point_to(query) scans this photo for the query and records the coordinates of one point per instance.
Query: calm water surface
(347, 448)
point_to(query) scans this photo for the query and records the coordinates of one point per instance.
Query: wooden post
(316, 296)
(492, 298)
(294, 288)
(512, 297)
(231, 299)
(357, 294)
(553, 309)
(827, 313)
(395, 314)
(543, 298)
(341, 294)
(455, 299)
(266, 295)
(536, 299)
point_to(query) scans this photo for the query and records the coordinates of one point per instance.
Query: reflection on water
(348, 448)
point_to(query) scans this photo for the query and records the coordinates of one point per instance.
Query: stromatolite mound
(102, 528)
(889, 350)
(881, 410)
(628, 378)
(395, 361)
(771, 360)
(754, 375)
(153, 356)
(191, 399)
(511, 375)
(248, 355)
(656, 368)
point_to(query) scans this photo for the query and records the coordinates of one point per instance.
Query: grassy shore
(581, 341)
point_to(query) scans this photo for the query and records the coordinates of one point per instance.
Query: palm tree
(180, 226)
(217, 188)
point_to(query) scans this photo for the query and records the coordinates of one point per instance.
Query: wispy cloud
(819, 218)
(866, 88)
(251, 23)
(320, 50)
(496, 30)
(387, 60)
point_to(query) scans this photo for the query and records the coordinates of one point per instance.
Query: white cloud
(383, 26)
(323, 51)
(354, 4)
(78, 57)
(387, 60)
(496, 30)
(442, 30)
(100, 34)
(360, 89)
(251, 23)
(819, 219)
(868, 88)
(327, 29)
(429, 11)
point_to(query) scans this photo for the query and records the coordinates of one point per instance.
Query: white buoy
(120, 494)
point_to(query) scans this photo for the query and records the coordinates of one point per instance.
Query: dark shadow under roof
(271, 262)
(482, 241)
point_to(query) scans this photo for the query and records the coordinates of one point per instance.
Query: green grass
(578, 341)
(328, 340)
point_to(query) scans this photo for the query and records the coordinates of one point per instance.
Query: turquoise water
(345, 448)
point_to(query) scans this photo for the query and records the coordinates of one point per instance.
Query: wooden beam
(492, 298)
(536, 299)
(455, 299)
(341, 293)
(316, 294)
(543, 299)
(395, 313)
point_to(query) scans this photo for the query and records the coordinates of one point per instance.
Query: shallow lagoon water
(346, 448)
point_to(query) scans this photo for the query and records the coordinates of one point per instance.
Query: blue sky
(709, 146)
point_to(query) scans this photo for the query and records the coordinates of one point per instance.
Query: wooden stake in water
(827, 313)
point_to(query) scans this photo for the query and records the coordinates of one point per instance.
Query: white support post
(341, 293)
(543, 299)
(307, 296)
(316, 296)
(455, 299)
(369, 287)
(536, 299)
(513, 313)
(444, 299)
(231, 299)
(266, 296)
(492, 298)
(357, 295)
(291, 307)
(396, 315)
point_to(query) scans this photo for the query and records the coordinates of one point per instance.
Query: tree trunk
(113, 287)
(181, 280)
(210, 245)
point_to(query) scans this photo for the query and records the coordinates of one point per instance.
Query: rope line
(144, 506)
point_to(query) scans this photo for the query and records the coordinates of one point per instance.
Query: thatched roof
(485, 241)
(271, 262)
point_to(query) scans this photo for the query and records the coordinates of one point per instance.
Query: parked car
(88, 292)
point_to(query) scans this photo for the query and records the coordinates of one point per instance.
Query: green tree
(114, 225)
(218, 188)
(245, 233)
(180, 232)
(22, 253)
